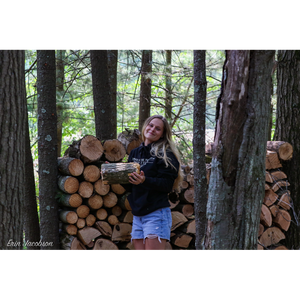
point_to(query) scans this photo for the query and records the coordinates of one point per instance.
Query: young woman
(160, 174)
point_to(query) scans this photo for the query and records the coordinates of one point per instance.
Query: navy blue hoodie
(152, 194)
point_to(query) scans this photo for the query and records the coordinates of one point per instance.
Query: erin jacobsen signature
(11, 243)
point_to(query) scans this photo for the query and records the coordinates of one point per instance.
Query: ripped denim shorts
(153, 225)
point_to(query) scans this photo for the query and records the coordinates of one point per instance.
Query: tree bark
(112, 56)
(168, 106)
(60, 78)
(47, 147)
(104, 109)
(145, 92)
(200, 181)
(31, 218)
(287, 129)
(12, 147)
(236, 187)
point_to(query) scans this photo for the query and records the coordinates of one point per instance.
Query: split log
(284, 149)
(277, 175)
(271, 236)
(90, 220)
(80, 223)
(123, 202)
(130, 139)
(285, 200)
(269, 178)
(110, 200)
(267, 187)
(101, 188)
(126, 217)
(280, 185)
(69, 217)
(118, 172)
(70, 166)
(68, 184)
(177, 219)
(69, 229)
(101, 214)
(272, 160)
(174, 204)
(274, 210)
(87, 234)
(283, 219)
(91, 173)
(181, 240)
(188, 227)
(261, 229)
(270, 197)
(265, 216)
(104, 244)
(104, 228)
(121, 232)
(69, 242)
(86, 189)
(69, 200)
(114, 150)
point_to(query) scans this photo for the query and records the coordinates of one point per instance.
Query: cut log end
(91, 149)
(114, 150)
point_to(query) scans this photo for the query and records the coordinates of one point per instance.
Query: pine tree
(47, 148)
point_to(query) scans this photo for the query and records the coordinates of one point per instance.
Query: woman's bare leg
(138, 244)
(155, 244)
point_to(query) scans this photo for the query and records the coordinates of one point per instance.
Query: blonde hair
(163, 145)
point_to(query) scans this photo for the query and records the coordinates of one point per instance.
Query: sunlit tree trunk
(168, 105)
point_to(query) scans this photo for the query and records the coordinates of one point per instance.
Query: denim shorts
(155, 224)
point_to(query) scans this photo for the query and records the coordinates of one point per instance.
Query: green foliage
(76, 101)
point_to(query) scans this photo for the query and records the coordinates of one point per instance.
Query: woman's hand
(136, 178)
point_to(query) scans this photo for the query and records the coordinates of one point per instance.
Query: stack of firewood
(93, 215)
(275, 218)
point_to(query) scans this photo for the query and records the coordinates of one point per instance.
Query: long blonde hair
(163, 145)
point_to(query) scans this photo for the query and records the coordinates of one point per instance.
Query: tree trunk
(112, 56)
(236, 187)
(287, 129)
(60, 78)
(12, 147)
(31, 218)
(145, 92)
(47, 146)
(104, 109)
(200, 187)
(168, 106)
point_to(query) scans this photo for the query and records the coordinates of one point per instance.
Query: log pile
(93, 215)
(275, 218)
(97, 216)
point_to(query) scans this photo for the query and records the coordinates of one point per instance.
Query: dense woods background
(101, 91)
